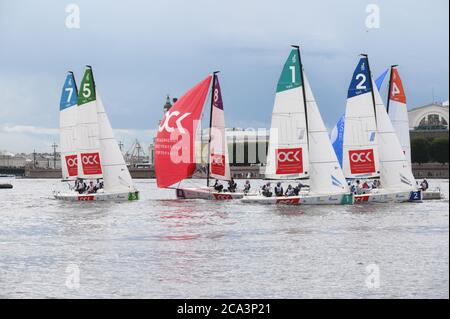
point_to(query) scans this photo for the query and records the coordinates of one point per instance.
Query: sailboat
(89, 150)
(299, 147)
(176, 153)
(371, 149)
(337, 133)
(398, 113)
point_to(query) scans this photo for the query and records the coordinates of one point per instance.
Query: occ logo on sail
(362, 161)
(289, 160)
(91, 163)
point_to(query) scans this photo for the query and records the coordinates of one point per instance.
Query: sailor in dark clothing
(232, 186)
(290, 191)
(247, 187)
(298, 188)
(80, 186)
(99, 185)
(424, 185)
(91, 188)
(217, 186)
(267, 190)
(279, 190)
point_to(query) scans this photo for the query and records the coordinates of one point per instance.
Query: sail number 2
(360, 85)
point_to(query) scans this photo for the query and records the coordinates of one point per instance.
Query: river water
(161, 248)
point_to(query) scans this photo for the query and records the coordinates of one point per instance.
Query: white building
(429, 117)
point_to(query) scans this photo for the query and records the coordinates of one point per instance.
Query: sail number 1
(292, 68)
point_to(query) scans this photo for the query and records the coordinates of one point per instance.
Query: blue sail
(380, 79)
(69, 92)
(337, 138)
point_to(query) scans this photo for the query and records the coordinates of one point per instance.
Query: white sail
(398, 112)
(326, 176)
(360, 149)
(67, 126)
(87, 133)
(395, 172)
(288, 156)
(218, 148)
(116, 176)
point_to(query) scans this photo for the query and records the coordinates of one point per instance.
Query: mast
(371, 86)
(390, 88)
(210, 125)
(304, 91)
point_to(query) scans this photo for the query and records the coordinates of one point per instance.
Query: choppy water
(161, 248)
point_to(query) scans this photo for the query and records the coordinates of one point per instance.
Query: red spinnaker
(175, 142)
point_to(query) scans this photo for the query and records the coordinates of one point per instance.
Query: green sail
(86, 93)
(290, 76)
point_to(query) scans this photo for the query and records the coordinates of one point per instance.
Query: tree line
(425, 150)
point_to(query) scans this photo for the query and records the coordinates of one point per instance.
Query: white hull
(307, 199)
(430, 195)
(112, 197)
(384, 196)
(206, 193)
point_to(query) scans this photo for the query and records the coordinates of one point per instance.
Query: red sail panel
(397, 91)
(175, 141)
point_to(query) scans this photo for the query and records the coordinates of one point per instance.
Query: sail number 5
(86, 90)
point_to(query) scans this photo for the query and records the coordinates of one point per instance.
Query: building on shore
(429, 121)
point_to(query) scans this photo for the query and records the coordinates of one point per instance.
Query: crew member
(279, 190)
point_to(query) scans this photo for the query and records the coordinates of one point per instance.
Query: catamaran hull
(204, 193)
(338, 199)
(389, 197)
(112, 197)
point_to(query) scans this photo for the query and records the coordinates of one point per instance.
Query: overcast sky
(142, 50)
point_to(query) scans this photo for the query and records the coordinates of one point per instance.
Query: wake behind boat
(299, 147)
(176, 154)
(89, 150)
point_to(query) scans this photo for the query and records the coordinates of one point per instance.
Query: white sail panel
(326, 176)
(218, 148)
(288, 156)
(87, 132)
(395, 172)
(360, 147)
(116, 176)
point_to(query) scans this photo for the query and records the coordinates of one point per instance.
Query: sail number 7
(69, 96)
